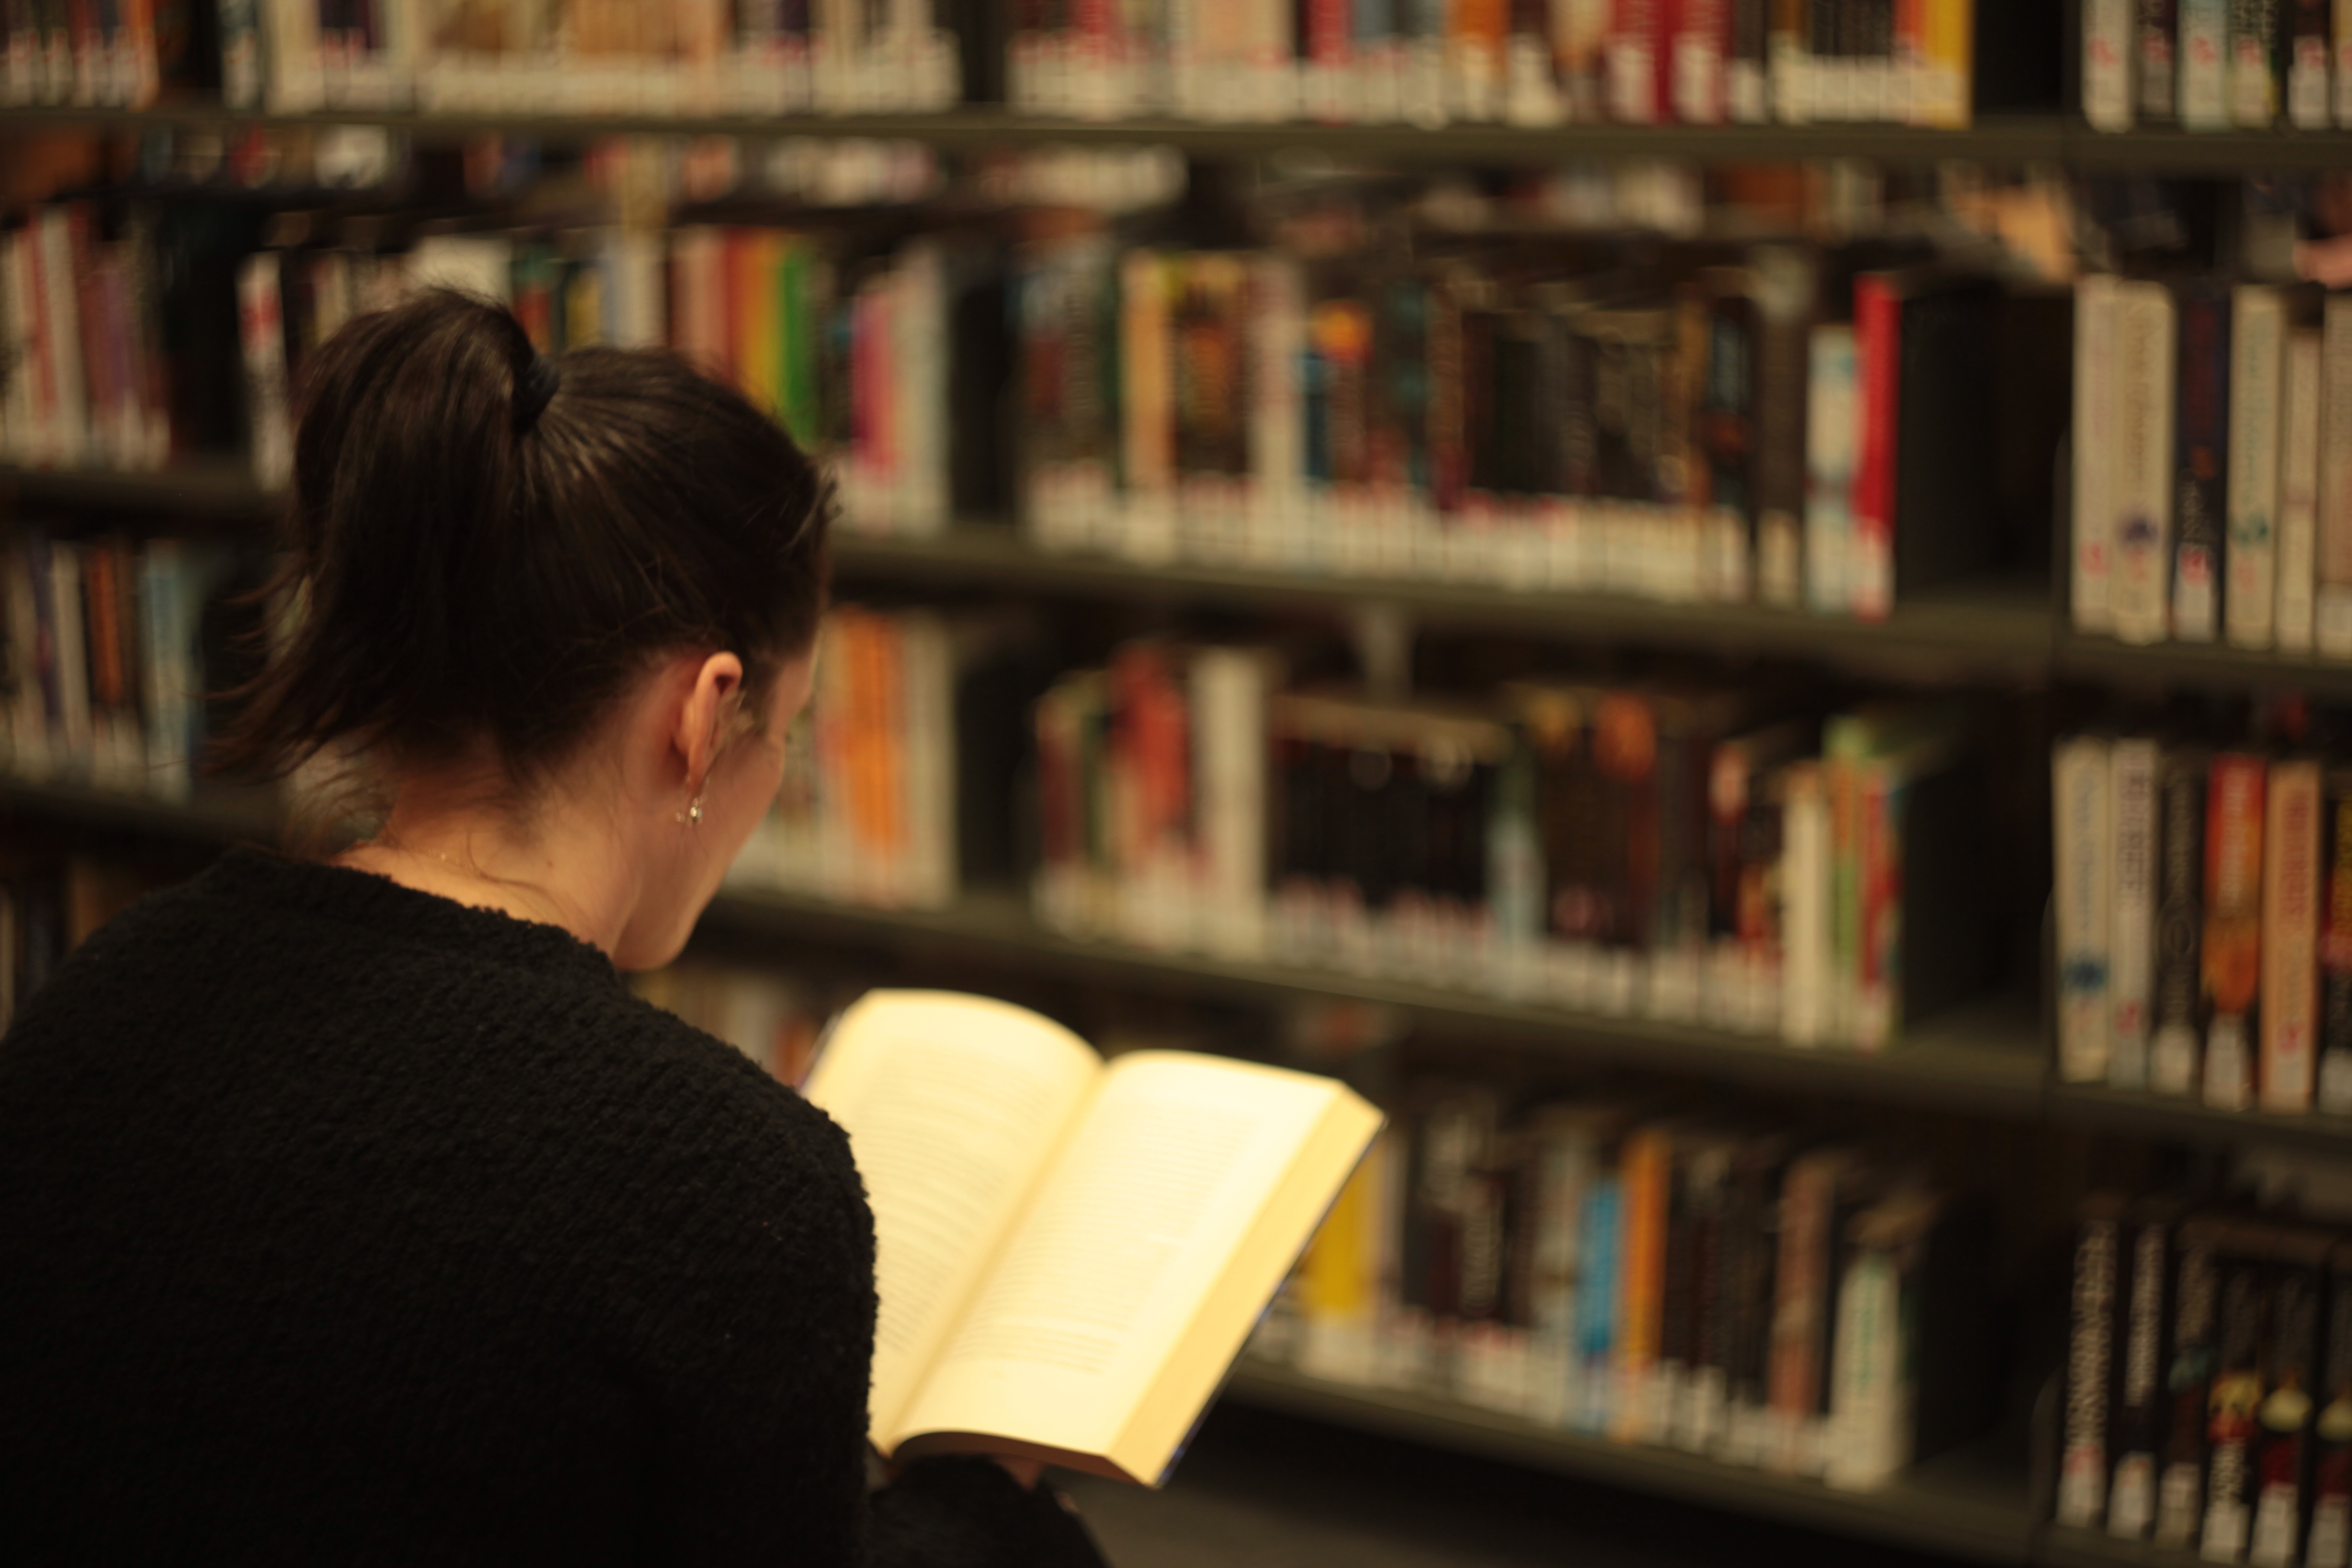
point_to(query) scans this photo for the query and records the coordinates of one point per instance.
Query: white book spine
(2204, 65)
(295, 80)
(2333, 608)
(2106, 64)
(2298, 541)
(919, 326)
(2309, 105)
(1229, 689)
(61, 307)
(2096, 304)
(2082, 788)
(2131, 953)
(2257, 379)
(1805, 902)
(2146, 330)
(1868, 1392)
(1278, 431)
(261, 329)
(1832, 412)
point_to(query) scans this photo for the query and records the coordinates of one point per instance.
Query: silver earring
(692, 815)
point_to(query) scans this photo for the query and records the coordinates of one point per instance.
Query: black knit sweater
(341, 1223)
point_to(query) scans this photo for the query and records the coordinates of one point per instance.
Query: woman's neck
(551, 865)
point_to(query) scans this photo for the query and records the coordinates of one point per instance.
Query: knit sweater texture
(342, 1223)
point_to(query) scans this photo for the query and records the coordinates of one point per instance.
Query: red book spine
(1877, 325)
(1636, 34)
(1692, 69)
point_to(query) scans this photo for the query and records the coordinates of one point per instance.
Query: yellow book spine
(1947, 78)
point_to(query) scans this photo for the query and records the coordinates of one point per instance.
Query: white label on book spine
(2331, 1533)
(2131, 1501)
(2227, 1066)
(2204, 65)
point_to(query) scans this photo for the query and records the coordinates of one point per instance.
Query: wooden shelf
(1994, 138)
(2206, 665)
(1969, 1504)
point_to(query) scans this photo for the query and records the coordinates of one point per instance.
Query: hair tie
(533, 390)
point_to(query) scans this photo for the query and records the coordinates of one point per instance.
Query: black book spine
(2083, 1454)
(2232, 1477)
(2282, 1421)
(2336, 947)
(2140, 1407)
(2188, 1372)
(2329, 1544)
(2179, 1023)
(2200, 485)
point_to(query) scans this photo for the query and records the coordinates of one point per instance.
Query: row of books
(1752, 431)
(2209, 1382)
(869, 808)
(106, 56)
(2203, 914)
(1524, 62)
(605, 56)
(1669, 851)
(1764, 1295)
(2212, 481)
(848, 348)
(105, 647)
(81, 327)
(2215, 65)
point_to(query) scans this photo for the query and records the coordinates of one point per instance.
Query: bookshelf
(1990, 1059)
(1998, 139)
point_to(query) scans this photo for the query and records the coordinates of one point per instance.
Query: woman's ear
(710, 705)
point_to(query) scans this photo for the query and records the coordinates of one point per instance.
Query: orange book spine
(2234, 926)
(1641, 1284)
(2290, 939)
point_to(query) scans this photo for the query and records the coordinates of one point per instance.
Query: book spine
(262, 330)
(2335, 1074)
(72, 658)
(2253, 43)
(1945, 96)
(1229, 698)
(1701, 42)
(2307, 45)
(1598, 1292)
(61, 301)
(1748, 70)
(2203, 464)
(1645, 1170)
(2343, 16)
(2082, 785)
(2298, 488)
(1869, 564)
(1832, 426)
(2291, 878)
(2332, 607)
(2106, 64)
(2234, 926)
(2155, 73)
(1784, 292)
(2131, 961)
(2138, 1427)
(2285, 1425)
(2096, 305)
(1790, 51)
(1634, 36)
(2083, 1454)
(2142, 502)
(2257, 382)
(1805, 894)
(2230, 1480)
(2189, 1370)
(2179, 1026)
(2329, 1542)
(2204, 55)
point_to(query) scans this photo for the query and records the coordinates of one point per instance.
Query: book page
(954, 1105)
(1188, 1188)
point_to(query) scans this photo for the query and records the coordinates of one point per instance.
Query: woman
(356, 1212)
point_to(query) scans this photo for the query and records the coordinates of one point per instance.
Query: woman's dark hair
(488, 546)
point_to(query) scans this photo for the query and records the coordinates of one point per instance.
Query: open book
(1069, 1253)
